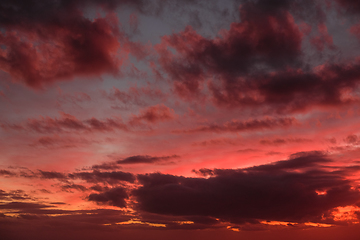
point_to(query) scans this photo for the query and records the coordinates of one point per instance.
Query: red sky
(173, 119)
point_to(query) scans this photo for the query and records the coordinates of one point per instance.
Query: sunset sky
(179, 119)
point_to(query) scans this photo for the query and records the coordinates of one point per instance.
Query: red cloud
(260, 38)
(250, 125)
(135, 95)
(257, 63)
(154, 114)
(63, 50)
(45, 42)
(67, 122)
(323, 39)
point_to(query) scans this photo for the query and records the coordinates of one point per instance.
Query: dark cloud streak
(250, 125)
(146, 159)
(282, 191)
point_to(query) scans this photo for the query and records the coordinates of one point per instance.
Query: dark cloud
(74, 98)
(108, 125)
(294, 90)
(23, 205)
(146, 159)
(96, 176)
(297, 161)
(52, 175)
(52, 40)
(46, 125)
(203, 172)
(349, 6)
(135, 95)
(280, 141)
(114, 196)
(352, 139)
(139, 159)
(58, 142)
(47, 141)
(4, 172)
(65, 123)
(17, 195)
(69, 187)
(154, 114)
(98, 188)
(3, 194)
(302, 9)
(250, 125)
(46, 41)
(248, 150)
(27, 173)
(57, 221)
(184, 223)
(106, 166)
(220, 141)
(258, 62)
(131, 97)
(282, 191)
(260, 39)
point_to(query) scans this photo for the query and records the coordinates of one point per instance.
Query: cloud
(297, 161)
(56, 44)
(323, 39)
(52, 175)
(307, 187)
(106, 166)
(146, 159)
(17, 195)
(55, 41)
(96, 176)
(114, 196)
(349, 6)
(4, 172)
(65, 123)
(37, 220)
(250, 125)
(58, 142)
(282, 191)
(69, 187)
(269, 38)
(280, 141)
(135, 95)
(27, 173)
(75, 98)
(47, 42)
(154, 114)
(107, 125)
(218, 141)
(352, 139)
(258, 62)
(292, 90)
(138, 159)
(23, 205)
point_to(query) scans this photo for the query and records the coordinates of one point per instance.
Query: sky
(169, 119)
